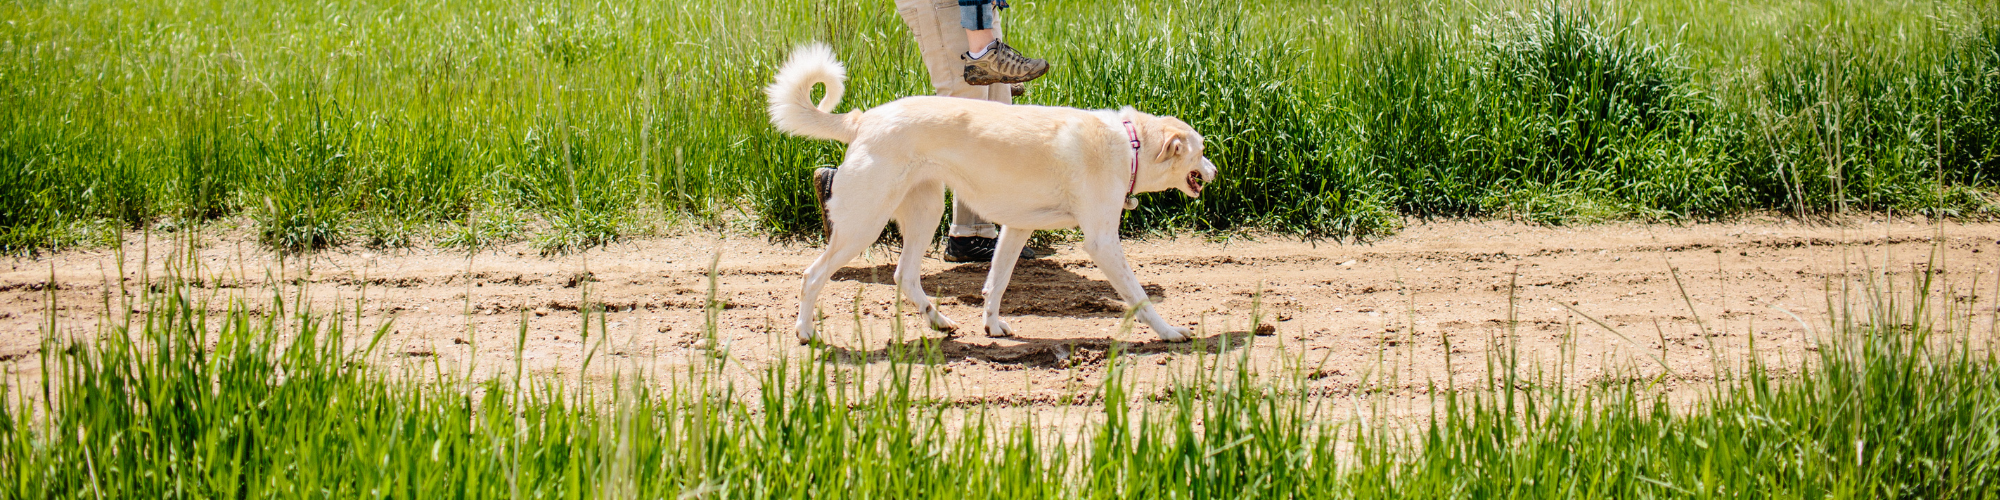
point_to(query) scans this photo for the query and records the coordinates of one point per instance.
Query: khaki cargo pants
(941, 38)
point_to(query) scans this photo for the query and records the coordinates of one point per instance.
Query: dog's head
(1171, 154)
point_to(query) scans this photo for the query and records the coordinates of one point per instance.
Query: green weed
(1328, 119)
(177, 401)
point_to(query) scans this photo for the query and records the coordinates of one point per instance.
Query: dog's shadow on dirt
(1040, 287)
(1028, 352)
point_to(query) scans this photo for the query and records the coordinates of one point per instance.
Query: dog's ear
(1175, 145)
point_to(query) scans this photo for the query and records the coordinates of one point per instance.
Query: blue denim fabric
(975, 16)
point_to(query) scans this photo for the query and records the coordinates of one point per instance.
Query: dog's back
(943, 128)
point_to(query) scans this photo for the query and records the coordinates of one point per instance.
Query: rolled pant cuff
(980, 230)
(975, 17)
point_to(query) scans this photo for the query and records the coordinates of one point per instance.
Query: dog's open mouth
(1194, 182)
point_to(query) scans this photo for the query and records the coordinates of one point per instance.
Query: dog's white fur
(1024, 167)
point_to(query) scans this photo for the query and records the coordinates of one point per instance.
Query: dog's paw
(1175, 333)
(805, 333)
(941, 323)
(997, 328)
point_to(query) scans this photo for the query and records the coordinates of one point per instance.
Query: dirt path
(1354, 314)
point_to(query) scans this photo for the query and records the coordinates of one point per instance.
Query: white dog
(1024, 167)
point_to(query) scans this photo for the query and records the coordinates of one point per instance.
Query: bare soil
(1438, 301)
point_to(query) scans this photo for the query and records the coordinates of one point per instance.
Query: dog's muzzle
(1200, 177)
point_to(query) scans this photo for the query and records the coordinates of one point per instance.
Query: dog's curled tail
(792, 109)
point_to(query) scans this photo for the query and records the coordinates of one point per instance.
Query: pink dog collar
(1133, 133)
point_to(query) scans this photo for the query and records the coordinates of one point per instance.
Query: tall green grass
(1899, 401)
(366, 121)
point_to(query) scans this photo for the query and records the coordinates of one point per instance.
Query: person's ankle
(982, 51)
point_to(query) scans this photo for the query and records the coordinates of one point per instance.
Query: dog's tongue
(1194, 182)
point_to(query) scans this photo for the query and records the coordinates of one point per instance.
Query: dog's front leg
(1005, 253)
(1101, 242)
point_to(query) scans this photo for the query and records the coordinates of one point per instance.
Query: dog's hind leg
(1005, 253)
(1100, 240)
(855, 225)
(918, 218)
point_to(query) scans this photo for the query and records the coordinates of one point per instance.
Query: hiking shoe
(979, 249)
(822, 190)
(1002, 64)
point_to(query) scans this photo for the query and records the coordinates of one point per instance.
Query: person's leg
(972, 238)
(935, 25)
(965, 221)
(979, 19)
(980, 40)
(1002, 93)
(990, 60)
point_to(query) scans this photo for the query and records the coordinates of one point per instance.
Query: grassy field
(1899, 401)
(393, 122)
